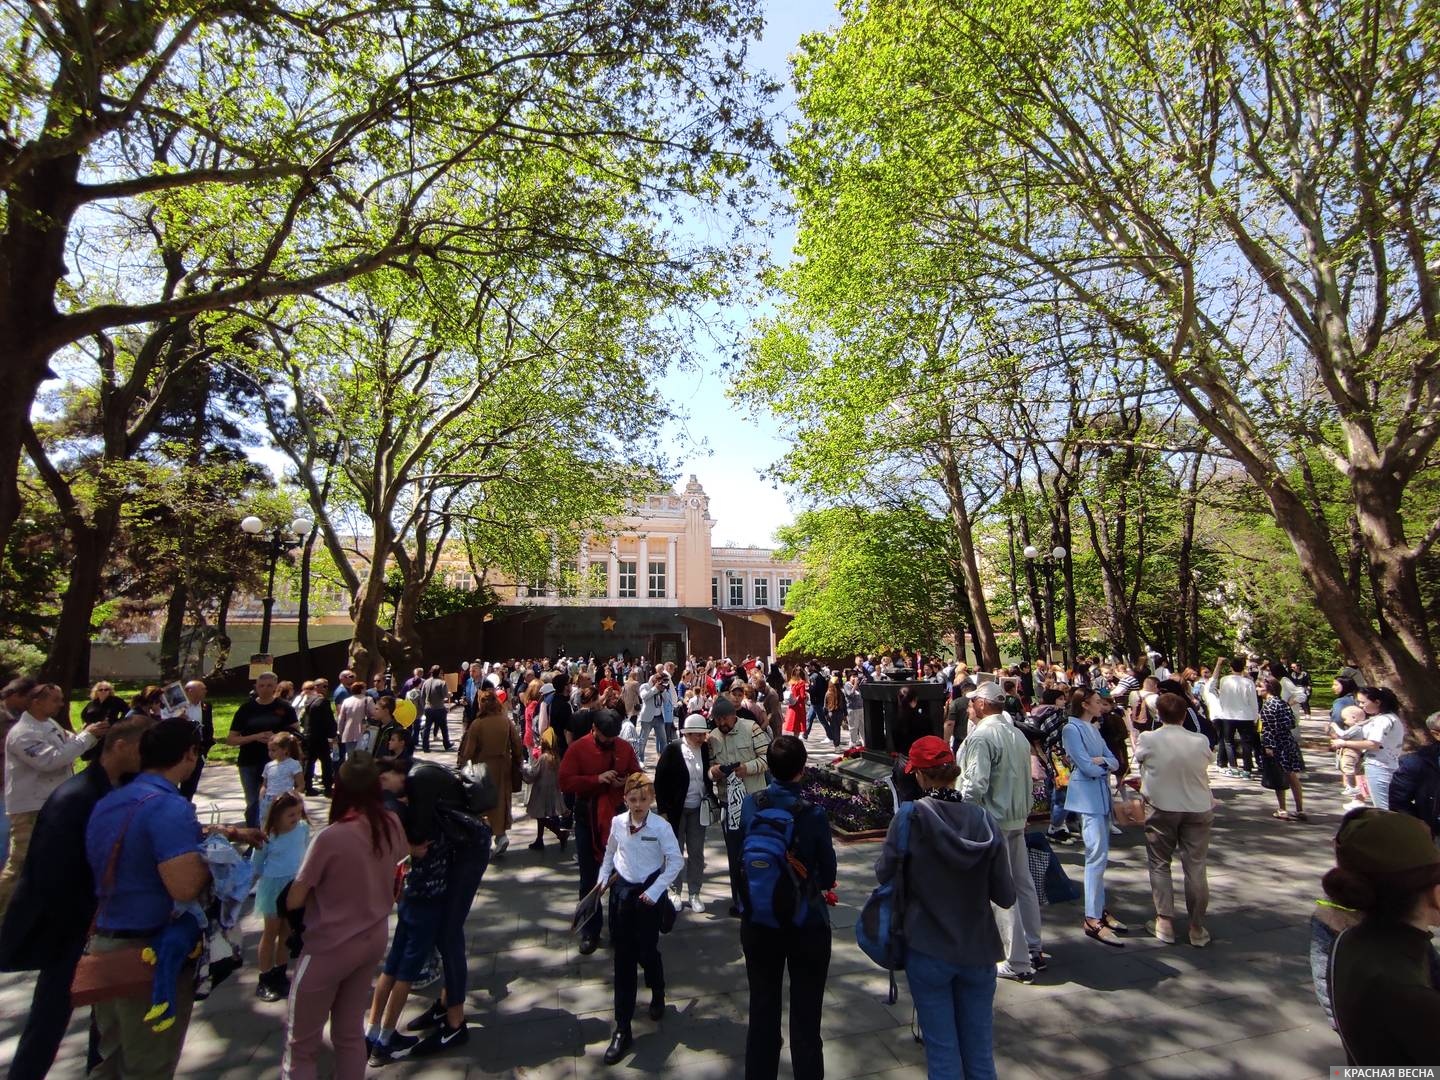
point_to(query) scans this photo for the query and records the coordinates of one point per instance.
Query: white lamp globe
(301, 526)
(1059, 552)
(1032, 552)
(252, 525)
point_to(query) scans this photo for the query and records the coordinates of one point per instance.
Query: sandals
(1102, 933)
(1282, 815)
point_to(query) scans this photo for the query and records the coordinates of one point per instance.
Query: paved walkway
(1242, 1008)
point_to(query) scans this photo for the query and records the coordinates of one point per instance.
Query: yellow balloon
(405, 712)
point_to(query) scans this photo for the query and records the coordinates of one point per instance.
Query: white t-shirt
(1385, 729)
(280, 776)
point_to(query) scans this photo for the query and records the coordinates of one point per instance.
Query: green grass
(222, 706)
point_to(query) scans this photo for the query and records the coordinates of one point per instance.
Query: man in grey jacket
(995, 774)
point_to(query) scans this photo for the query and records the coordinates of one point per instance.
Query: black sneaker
(1039, 960)
(397, 1048)
(428, 1019)
(441, 1038)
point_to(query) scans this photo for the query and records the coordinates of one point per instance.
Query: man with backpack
(788, 862)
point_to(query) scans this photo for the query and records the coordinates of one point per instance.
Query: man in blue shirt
(46, 924)
(143, 846)
(804, 949)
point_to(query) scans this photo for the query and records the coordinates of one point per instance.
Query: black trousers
(49, 1016)
(734, 841)
(191, 783)
(436, 720)
(589, 867)
(1249, 741)
(319, 752)
(768, 953)
(635, 937)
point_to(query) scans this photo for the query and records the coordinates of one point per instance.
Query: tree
(284, 150)
(872, 578)
(445, 409)
(1239, 192)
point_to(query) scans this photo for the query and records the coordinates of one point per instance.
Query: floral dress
(1277, 735)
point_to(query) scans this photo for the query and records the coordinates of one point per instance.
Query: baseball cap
(987, 691)
(929, 752)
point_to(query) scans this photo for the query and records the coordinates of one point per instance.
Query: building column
(642, 568)
(612, 584)
(672, 567)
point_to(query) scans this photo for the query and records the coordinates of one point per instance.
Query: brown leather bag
(118, 973)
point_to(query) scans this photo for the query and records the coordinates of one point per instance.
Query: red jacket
(580, 768)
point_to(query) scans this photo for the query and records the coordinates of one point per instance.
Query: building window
(599, 579)
(737, 592)
(762, 592)
(714, 592)
(627, 580)
(783, 590)
(569, 579)
(657, 581)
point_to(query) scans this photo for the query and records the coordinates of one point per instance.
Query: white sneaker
(697, 905)
(502, 845)
(1354, 804)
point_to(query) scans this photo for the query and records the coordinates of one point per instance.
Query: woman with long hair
(795, 703)
(104, 706)
(532, 706)
(1380, 982)
(491, 740)
(346, 887)
(1379, 736)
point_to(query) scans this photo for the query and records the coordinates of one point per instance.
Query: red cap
(929, 752)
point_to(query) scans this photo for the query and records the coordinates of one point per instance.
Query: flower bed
(856, 810)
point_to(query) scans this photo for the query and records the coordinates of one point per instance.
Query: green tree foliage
(179, 159)
(872, 578)
(1238, 193)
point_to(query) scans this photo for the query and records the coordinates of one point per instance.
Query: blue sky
(746, 508)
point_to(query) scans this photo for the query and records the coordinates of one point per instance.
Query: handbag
(1128, 808)
(480, 794)
(1272, 776)
(117, 973)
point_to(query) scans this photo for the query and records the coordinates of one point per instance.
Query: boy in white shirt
(644, 857)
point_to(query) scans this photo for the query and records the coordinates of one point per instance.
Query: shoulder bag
(118, 973)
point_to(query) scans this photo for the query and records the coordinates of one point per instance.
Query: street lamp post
(279, 541)
(1047, 561)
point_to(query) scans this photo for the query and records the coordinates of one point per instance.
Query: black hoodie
(958, 866)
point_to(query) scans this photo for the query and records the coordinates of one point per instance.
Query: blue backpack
(777, 888)
(880, 930)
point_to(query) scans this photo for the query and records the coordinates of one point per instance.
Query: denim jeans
(251, 778)
(657, 724)
(1095, 830)
(1378, 776)
(1058, 816)
(466, 870)
(436, 719)
(955, 1005)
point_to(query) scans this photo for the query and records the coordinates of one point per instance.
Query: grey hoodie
(958, 866)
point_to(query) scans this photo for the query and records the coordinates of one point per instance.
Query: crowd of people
(107, 862)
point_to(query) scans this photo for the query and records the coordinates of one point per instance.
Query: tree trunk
(222, 632)
(986, 647)
(1067, 579)
(32, 262)
(368, 646)
(409, 649)
(302, 616)
(170, 634)
(1187, 648)
(66, 663)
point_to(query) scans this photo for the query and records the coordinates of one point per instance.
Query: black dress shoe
(734, 912)
(588, 945)
(657, 1006)
(618, 1048)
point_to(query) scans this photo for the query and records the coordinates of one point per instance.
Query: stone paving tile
(540, 1011)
